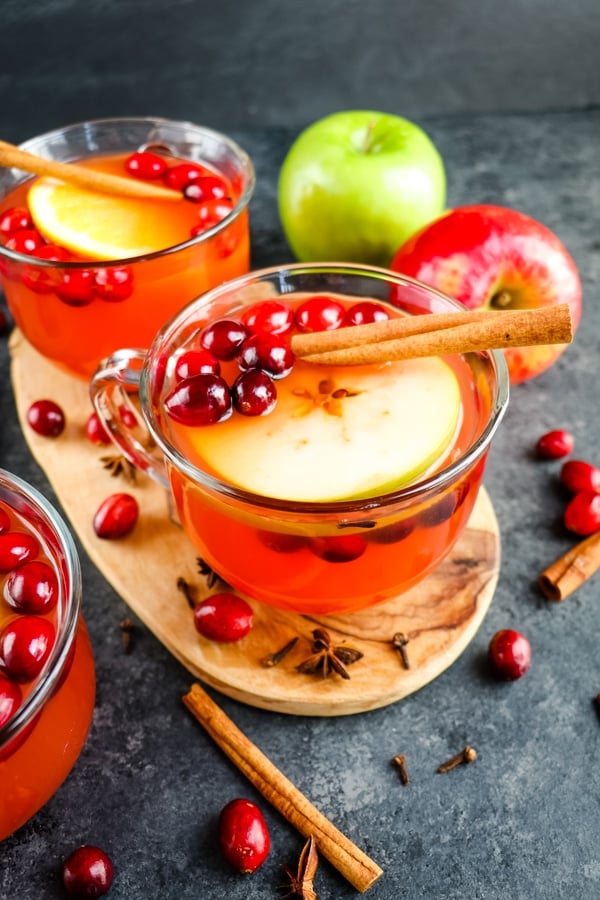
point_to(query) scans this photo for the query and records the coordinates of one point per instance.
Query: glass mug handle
(111, 388)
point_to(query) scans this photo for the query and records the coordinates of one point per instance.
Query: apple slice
(340, 433)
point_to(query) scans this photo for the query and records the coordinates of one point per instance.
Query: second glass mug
(268, 548)
(77, 333)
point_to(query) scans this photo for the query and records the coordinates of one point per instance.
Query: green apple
(359, 433)
(355, 185)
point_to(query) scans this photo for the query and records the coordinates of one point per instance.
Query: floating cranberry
(253, 393)
(281, 542)
(577, 476)
(270, 316)
(4, 521)
(10, 699)
(127, 416)
(510, 654)
(444, 509)
(200, 400)
(76, 287)
(146, 165)
(95, 430)
(27, 241)
(116, 516)
(179, 176)
(211, 213)
(204, 188)
(113, 284)
(320, 313)
(46, 418)
(223, 617)
(269, 352)
(196, 362)
(88, 872)
(339, 548)
(25, 645)
(16, 218)
(365, 313)
(223, 338)
(16, 547)
(39, 279)
(555, 444)
(582, 515)
(243, 835)
(32, 587)
(394, 532)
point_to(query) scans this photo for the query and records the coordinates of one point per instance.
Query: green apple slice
(340, 433)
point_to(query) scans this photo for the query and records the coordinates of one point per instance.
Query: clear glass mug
(272, 549)
(45, 718)
(77, 333)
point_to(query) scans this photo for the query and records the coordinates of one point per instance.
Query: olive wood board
(439, 617)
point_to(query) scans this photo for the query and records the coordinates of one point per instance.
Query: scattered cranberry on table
(223, 617)
(243, 835)
(582, 515)
(95, 430)
(509, 654)
(87, 872)
(578, 475)
(116, 516)
(46, 418)
(555, 444)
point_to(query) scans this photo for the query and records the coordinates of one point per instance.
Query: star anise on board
(117, 465)
(301, 881)
(209, 573)
(327, 658)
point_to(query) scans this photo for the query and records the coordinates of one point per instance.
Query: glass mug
(45, 715)
(76, 330)
(324, 556)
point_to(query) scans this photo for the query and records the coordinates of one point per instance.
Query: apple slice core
(340, 433)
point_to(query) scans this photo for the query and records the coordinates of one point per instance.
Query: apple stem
(368, 136)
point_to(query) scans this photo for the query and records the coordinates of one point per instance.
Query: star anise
(327, 658)
(209, 573)
(328, 396)
(301, 881)
(117, 464)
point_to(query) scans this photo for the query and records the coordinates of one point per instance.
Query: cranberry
(555, 444)
(76, 287)
(204, 188)
(16, 218)
(10, 699)
(281, 542)
(46, 418)
(116, 516)
(578, 476)
(146, 165)
(95, 430)
(25, 645)
(339, 548)
(87, 872)
(200, 400)
(127, 416)
(4, 521)
(223, 338)
(320, 313)
(196, 362)
(582, 515)
(365, 313)
(444, 509)
(243, 835)
(210, 214)
(26, 241)
(269, 352)
(269, 316)
(16, 547)
(113, 284)
(253, 393)
(32, 587)
(179, 176)
(394, 532)
(223, 617)
(40, 279)
(510, 654)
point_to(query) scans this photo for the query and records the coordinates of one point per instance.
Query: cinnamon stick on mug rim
(275, 787)
(436, 334)
(572, 569)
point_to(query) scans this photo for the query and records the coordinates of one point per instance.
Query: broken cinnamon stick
(348, 859)
(572, 569)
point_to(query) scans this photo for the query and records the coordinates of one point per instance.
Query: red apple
(496, 258)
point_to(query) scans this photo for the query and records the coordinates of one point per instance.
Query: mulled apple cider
(47, 682)
(85, 271)
(311, 487)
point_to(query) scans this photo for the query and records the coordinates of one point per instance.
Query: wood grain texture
(439, 617)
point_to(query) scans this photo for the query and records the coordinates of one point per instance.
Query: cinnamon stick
(436, 334)
(348, 859)
(90, 179)
(572, 569)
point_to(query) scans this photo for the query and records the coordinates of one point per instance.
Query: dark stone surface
(522, 821)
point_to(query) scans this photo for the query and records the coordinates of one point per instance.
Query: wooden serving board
(439, 617)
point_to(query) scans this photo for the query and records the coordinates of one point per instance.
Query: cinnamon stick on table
(348, 859)
(572, 569)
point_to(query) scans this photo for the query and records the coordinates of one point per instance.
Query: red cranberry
(32, 587)
(582, 515)
(320, 313)
(113, 284)
(16, 547)
(25, 645)
(88, 872)
(40, 279)
(146, 165)
(339, 548)
(281, 542)
(223, 617)
(269, 316)
(269, 352)
(253, 393)
(46, 418)
(510, 654)
(223, 338)
(116, 516)
(10, 699)
(200, 400)
(179, 176)
(365, 313)
(76, 287)
(210, 214)
(555, 444)
(127, 416)
(243, 835)
(95, 430)
(444, 509)
(394, 532)
(16, 218)
(196, 362)
(204, 188)
(26, 241)
(578, 476)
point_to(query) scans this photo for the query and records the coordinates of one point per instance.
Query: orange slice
(101, 226)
